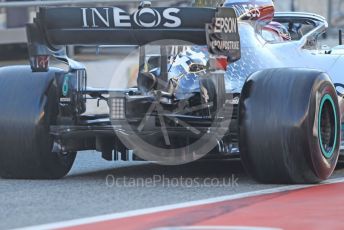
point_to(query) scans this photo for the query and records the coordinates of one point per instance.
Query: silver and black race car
(222, 82)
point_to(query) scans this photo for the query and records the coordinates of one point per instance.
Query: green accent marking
(65, 87)
(327, 154)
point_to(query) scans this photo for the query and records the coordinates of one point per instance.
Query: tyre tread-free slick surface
(29, 105)
(279, 126)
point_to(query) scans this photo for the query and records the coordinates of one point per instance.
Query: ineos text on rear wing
(54, 28)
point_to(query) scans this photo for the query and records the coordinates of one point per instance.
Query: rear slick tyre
(29, 105)
(289, 126)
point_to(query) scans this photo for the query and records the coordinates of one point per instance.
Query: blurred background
(15, 14)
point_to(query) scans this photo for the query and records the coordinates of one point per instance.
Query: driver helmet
(279, 29)
(261, 11)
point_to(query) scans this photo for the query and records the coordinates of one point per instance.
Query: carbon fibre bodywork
(258, 54)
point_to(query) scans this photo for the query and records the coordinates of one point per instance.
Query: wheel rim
(327, 127)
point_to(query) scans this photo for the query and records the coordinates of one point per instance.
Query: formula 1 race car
(220, 83)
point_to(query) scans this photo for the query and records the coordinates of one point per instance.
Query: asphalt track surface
(87, 191)
(95, 187)
(287, 208)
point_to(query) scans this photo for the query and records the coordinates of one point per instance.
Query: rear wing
(55, 28)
